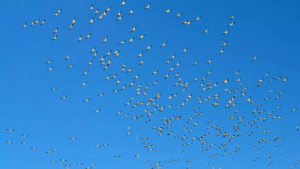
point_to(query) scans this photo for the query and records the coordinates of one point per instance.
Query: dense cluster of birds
(152, 103)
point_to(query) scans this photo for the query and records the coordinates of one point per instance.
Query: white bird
(71, 26)
(119, 13)
(92, 7)
(178, 15)
(50, 68)
(209, 61)
(64, 97)
(52, 89)
(122, 42)
(120, 18)
(100, 17)
(187, 22)
(96, 111)
(49, 61)
(255, 57)
(141, 37)
(86, 100)
(184, 50)
(88, 36)
(105, 39)
(148, 6)
(224, 33)
(231, 24)
(133, 29)
(164, 44)
(93, 50)
(206, 30)
(130, 12)
(198, 18)
(123, 3)
(73, 21)
(54, 37)
(222, 50)
(149, 47)
(86, 72)
(55, 30)
(92, 20)
(131, 40)
(167, 11)
(43, 22)
(57, 12)
(37, 21)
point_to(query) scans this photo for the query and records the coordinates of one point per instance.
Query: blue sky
(267, 29)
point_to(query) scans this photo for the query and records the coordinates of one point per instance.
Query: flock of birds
(152, 104)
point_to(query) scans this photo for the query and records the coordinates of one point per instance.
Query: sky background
(267, 29)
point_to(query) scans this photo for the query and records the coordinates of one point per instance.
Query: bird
(73, 21)
(86, 100)
(149, 47)
(43, 22)
(91, 21)
(224, 44)
(198, 18)
(187, 22)
(51, 68)
(255, 57)
(88, 36)
(167, 11)
(231, 24)
(55, 37)
(184, 50)
(71, 26)
(105, 39)
(119, 18)
(123, 3)
(224, 33)
(55, 30)
(133, 29)
(206, 30)
(130, 40)
(148, 6)
(164, 44)
(57, 12)
(64, 97)
(178, 15)
(222, 50)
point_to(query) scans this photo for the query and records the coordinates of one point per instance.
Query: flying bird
(167, 11)
(148, 6)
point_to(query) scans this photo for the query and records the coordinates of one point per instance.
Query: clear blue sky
(267, 29)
